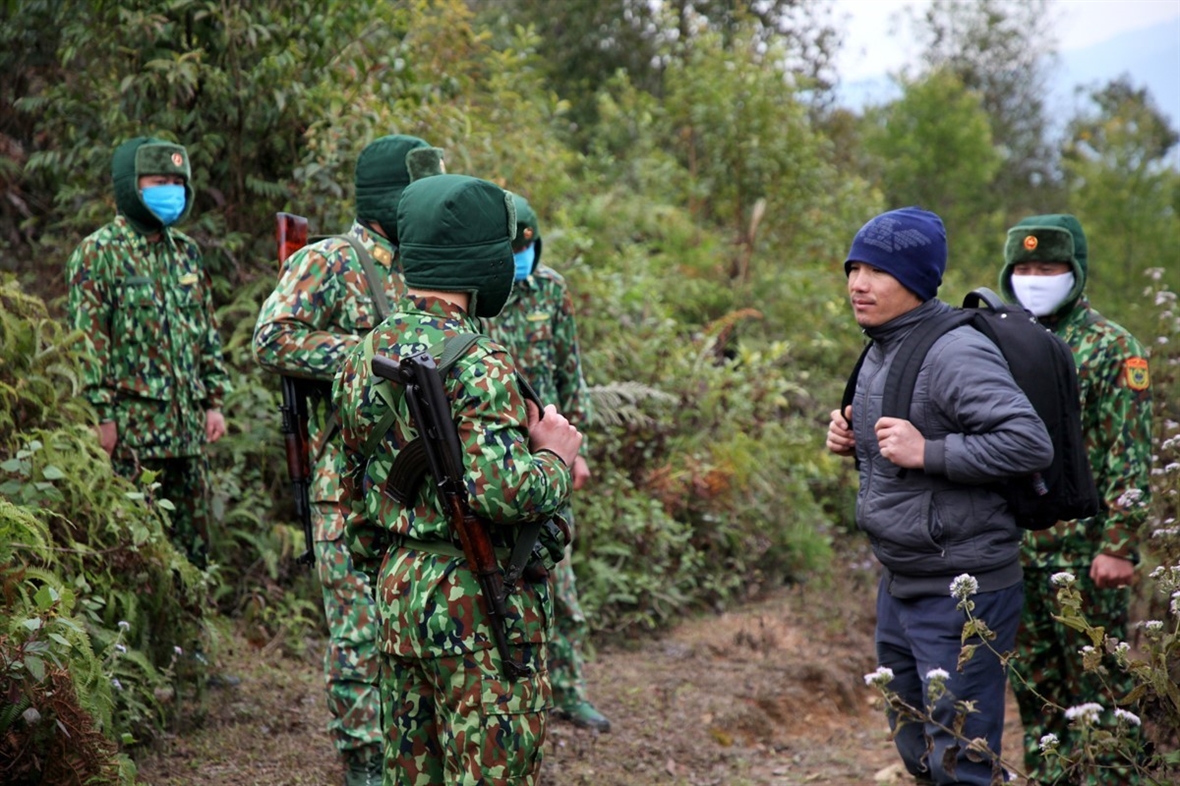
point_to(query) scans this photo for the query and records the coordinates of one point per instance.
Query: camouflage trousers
(184, 481)
(455, 720)
(1048, 677)
(352, 662)
(569, 633)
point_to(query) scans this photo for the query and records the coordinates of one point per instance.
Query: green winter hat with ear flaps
(141, 156)
(1055, 237)
(528, 230)
(382, 173)
(457, 237)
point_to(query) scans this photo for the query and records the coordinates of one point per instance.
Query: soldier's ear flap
(425, 161)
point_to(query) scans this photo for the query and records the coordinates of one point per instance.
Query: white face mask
(1042, 295)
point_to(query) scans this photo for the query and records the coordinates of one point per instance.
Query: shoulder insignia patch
(1138, 377)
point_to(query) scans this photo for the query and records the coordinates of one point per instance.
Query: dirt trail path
(768, 695)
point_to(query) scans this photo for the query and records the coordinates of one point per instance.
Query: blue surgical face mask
(524, 261)
(167, 202)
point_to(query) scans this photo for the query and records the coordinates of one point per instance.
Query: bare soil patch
(770, 694)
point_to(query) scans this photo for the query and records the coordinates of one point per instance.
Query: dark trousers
(916, 635)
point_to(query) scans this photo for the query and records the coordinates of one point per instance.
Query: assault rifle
(431, 413)
(291, 235)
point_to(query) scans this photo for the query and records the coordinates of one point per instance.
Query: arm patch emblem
(1138, 377)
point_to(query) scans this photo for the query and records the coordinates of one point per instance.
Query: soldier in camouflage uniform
(322, 306)
(153, 368)
(451, 716)
(537, 326)
(1046, 265)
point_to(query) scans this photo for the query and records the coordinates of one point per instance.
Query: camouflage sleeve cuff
(103, 401)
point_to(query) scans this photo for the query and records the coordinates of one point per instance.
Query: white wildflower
(1049, 742)
(120, 648)
(1086, 713)
(938, 674)
(1129, 717)
(881, 677)
(1130, 498)
(1154, 273)
(1087, 650)
(116, 684)
(124, 624)
(964, 586)
(1153, 626)
(1164, 297)
(1063, 579)
(178, 650)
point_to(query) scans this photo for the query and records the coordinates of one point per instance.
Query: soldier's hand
(108, 436)
(840, 438)
(553, 432)
(1109, 572)
(581, 473)
(214, 425)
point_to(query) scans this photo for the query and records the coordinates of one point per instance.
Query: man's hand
(840, 438)
(581, 473)
(1108, 572)
(901, 443)
(214, 425)
(553, 432)
(108, 436)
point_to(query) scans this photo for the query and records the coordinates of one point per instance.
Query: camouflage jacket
(538, 328)
(153, 361)
(430, 602)
(1116, 423)
(319, 310)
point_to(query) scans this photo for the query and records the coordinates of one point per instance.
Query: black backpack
(1043, 366)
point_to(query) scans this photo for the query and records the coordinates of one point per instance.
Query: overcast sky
(870, 50)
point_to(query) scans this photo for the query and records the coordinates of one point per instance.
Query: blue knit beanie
(908, 244)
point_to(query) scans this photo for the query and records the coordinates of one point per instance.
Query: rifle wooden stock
(431, 413)
(290, 236)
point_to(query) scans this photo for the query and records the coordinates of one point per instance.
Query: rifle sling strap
(372, 277)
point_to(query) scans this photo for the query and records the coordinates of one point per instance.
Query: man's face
(876, 296)
(1041, 269)
(147, 181)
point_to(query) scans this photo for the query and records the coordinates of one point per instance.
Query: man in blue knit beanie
(928, 500)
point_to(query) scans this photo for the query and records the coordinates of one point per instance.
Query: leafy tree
(1004, 50)
(584, 43)
(1123, 188)
(228, 80)
(934, 149)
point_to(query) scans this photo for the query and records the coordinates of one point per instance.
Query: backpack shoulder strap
(903, 371)
(376, 288)
(850, 385)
